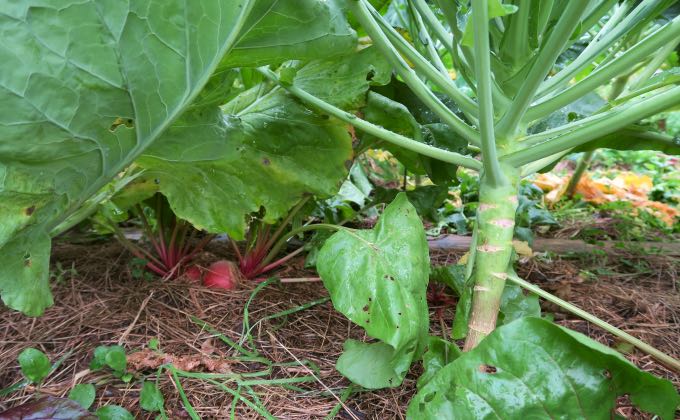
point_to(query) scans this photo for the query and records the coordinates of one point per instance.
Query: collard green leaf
(371, 365)
(426, 199)
(34, 364)
(394, 116)
(267, 150)
(532, 368)
(280, 30)
(48, 408)
(83, 394)
(77, 113)
(378, 278)
(452, 275)
(67, 105)
(269, 154)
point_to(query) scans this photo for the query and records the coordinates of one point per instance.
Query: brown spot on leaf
(266, 162)
(365, 308)
(127, 122)
(29, 210)
(487, 369)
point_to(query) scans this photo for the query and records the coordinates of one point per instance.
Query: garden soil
(101, 302)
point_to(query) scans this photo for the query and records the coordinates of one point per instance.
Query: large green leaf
(264, 150)
(279, 30)
(377, 278)
(88, 85)
(269, 154)
(74, 72)
(532, 368)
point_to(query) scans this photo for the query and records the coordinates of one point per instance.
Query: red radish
(193, 272)
(222, 275)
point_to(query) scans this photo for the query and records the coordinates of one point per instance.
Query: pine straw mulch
(103, 305)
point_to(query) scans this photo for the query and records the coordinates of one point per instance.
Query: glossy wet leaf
(150, 397)
(34, 364)
(515, 304)
(83, 394)
(532, 368)
(377, 278)
(48, 408)
(113, 412)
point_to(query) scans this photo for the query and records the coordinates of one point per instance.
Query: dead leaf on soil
(150, 360)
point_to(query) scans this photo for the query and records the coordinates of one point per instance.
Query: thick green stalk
(380, 132)
(480, 15)
(515, 46)
(495, 228)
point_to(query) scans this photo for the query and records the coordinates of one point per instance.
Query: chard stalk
(493, 253)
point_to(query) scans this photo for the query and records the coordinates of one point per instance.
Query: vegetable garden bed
(102, 303)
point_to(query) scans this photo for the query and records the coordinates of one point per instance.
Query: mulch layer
(101, 303)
